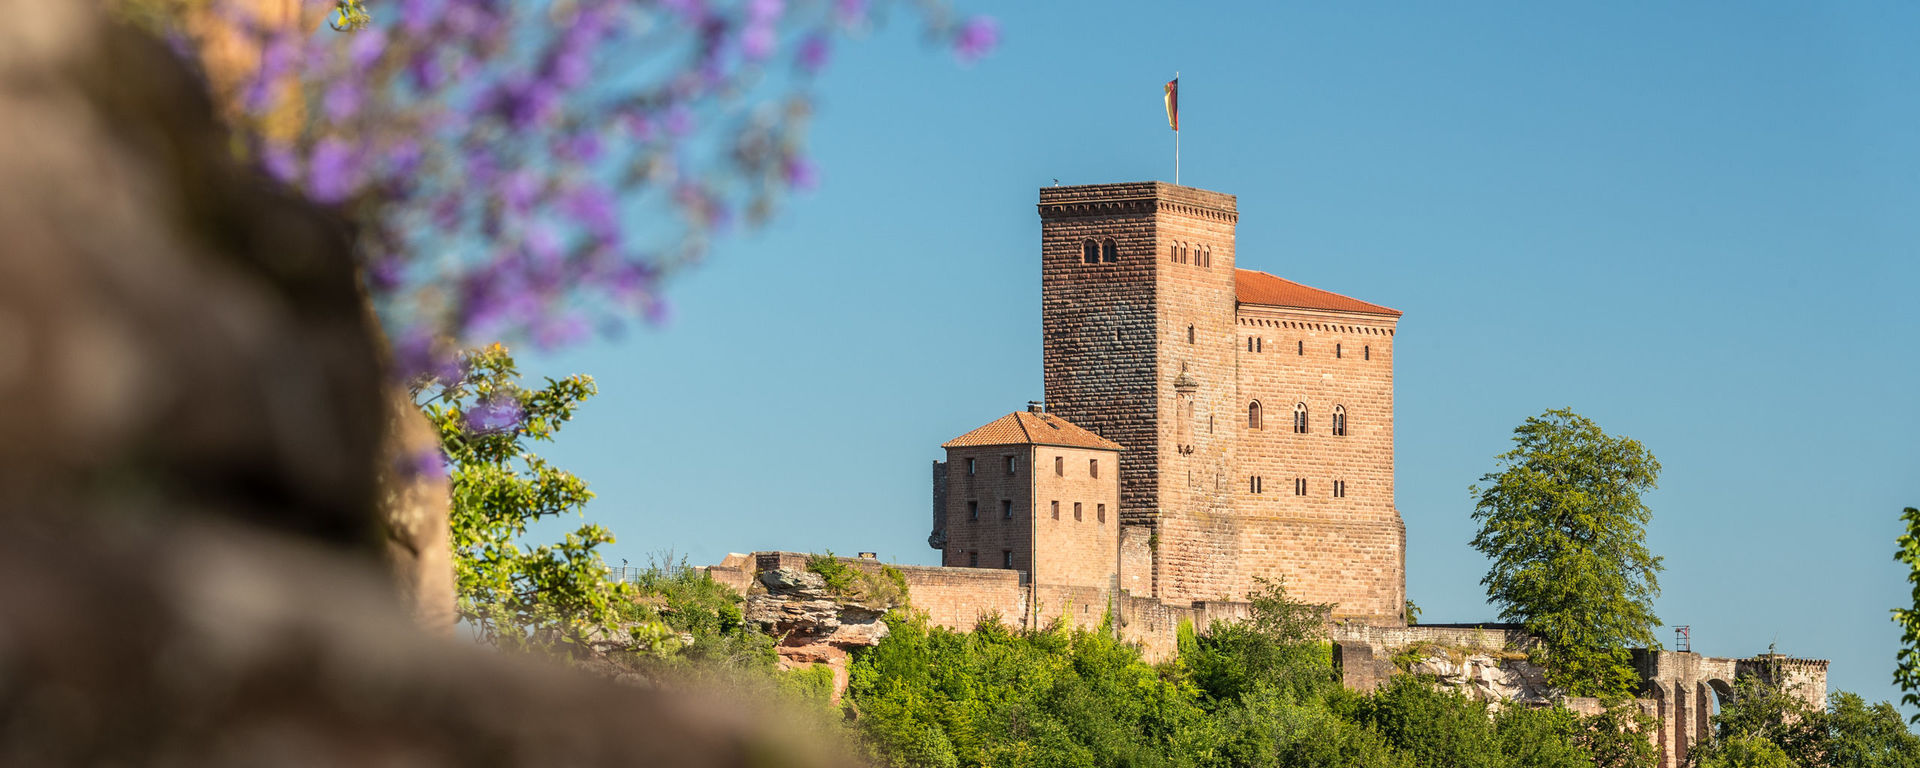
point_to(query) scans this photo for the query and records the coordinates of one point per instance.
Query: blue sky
(1696, 225)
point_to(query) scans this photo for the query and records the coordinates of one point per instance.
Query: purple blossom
(520, 190)
(977, 38)
(331, 173)
(403, 158)
(813, 54)
(417, 15)
(497, 162)
(280, 162)
(496, 413)
(757, 42)
(424, 464)
(366, 47)
(593, 207)
(342, 100)
(801, 173)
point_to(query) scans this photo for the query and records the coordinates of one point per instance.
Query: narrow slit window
(1189, 334)
(1336, 351)
(1059, 467)
(1366, 352)
(1006, 556)
(1300, 486)
(1302, 348)
(1011, 464)
(969, 467)
(1339, 489)
(973, 510)
(1076, 511)
(1100, 512)
(1056, 510)
(1093, 467)
(1006, 509)
(1260, 345)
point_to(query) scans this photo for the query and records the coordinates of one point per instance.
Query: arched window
(1336, 351)
(1206, 256)
(1300, 418)
(1253, 415)
(1189, 334)
(1173, 252)
(1249, 343)
(1300, 347)
(1090, 251)
(1366, 352)
(1183, 254)
(1110, 251)
(1340, 421)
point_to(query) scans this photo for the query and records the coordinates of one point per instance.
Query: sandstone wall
(979, 532)
(1340, 544)
(1076, 518)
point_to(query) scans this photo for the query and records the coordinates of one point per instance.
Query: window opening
(1253, 415)
(1059, 466)
(1340, 421)
(1006, 556)
(1006, 509)
(1300, 418)
(973, 510)
(1100, 512)
(1093, 467)
(1090, 252)
(1110, 251)
(1300, 486)
(1056, 510)
(1076, 511)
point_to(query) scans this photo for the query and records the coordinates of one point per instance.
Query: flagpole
(1176, 142)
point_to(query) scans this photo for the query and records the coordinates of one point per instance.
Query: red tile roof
(1261, 288)
(1027, 428)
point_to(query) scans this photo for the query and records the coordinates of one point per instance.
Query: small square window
(1006, 509)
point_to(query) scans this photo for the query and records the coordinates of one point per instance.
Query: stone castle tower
(1256, 413)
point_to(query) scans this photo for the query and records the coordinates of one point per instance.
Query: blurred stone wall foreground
(189, 513)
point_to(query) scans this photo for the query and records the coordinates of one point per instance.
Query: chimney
(1036, 406)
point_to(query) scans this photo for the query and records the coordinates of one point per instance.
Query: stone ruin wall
(959, 598)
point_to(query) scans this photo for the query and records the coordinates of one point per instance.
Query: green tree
(514, 595)
(1749, 751)
(1907, 674)
(1859, 736)
(1564, 524)
(1281, 646)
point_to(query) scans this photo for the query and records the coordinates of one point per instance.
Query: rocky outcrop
(1487, 678)
(813, 624)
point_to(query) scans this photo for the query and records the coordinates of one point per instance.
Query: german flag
(1173, 104)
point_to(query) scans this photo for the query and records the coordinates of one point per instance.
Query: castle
(1206, 427)
(1249, 418)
